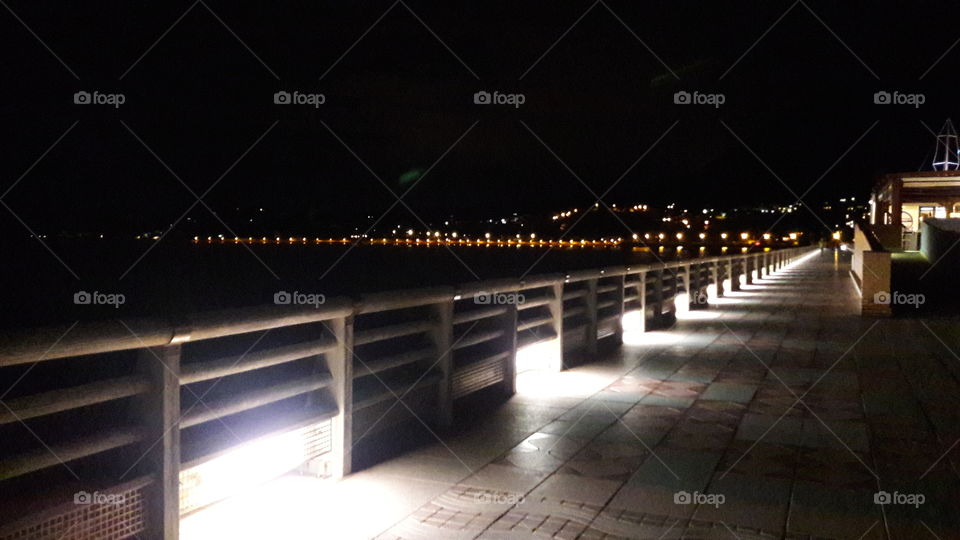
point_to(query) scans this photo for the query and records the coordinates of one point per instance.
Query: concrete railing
(871, 268)
(157, 411)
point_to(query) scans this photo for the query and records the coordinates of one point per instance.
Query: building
(906, 199)
(913, 225)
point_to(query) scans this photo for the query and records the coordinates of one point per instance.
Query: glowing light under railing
(698, 315)
(301, 508)
(560, 384)
(241, 468)
(726, 300)
(543, 356)
(656, 338)
(682, 302)
(633, 321)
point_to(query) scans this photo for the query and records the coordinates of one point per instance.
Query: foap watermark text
(297, 298)
(498, 299)
(899, 299)
(97, 298)
(497, 98)
(710, 499)
(698, 98)
(84, 497)
(296, 97)
(898, 98)
(99, 98)
(907, 499)
(498, 497)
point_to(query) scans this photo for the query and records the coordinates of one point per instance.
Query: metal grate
(318, 439)
(479, 375)
(122, 517)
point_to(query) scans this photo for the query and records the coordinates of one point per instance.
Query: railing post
(658, 295)
(509, 342)
(748, 268)
(340, 364)
(161, 417)
(590, 302)
(698, 299)
(556, 319)
(734, 274)
(717, 270)
(621, 294)
(761, 265)
(442, 337)
(642, 297)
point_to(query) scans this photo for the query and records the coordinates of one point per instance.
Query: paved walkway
(778, 413)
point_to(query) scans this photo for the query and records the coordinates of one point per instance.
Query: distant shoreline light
(433, 239)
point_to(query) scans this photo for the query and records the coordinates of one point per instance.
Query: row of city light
(453, 238)
(459, 242)
(745, 236)
(407, 241)
(566, 214)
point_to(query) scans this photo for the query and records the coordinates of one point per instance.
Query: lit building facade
(906, 199)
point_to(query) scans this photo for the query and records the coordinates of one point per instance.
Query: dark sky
(401, 97)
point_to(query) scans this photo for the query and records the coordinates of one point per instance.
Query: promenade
(777, 413)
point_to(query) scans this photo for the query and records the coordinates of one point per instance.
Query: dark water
(177, 276)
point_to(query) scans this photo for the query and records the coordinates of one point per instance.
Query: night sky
(598, 81)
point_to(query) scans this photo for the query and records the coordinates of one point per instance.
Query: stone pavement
(777, 413)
